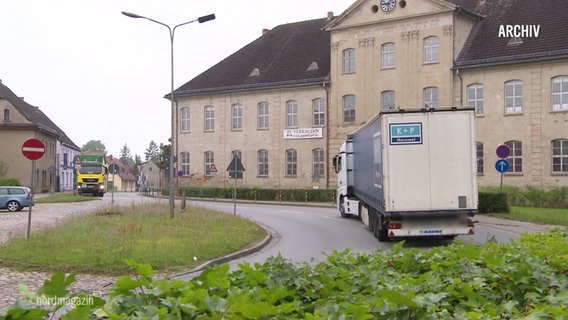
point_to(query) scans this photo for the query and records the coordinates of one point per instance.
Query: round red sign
(33, 149)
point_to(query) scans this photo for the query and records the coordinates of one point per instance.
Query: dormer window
(514, 41)
(254, 73)
(313, 66)
(6, 115)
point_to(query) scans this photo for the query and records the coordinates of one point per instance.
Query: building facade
(506, 59)
(266, 104)
(22, 121)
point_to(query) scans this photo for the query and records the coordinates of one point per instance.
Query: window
(263, 115)
(291, 162)
(479, 149)
(559, 93)
(184, 119)
(319, 112)
(6, 114)
(237, 117)
(516, 157)
(513, 96)
(263, 163)
(209, 118)
(387, 51)
(430, 97)
(318, 164)
(349, 61)
(291, 114)
(209, 160)
(560, 156)
(184, 163)
(431, 49)
(475, 97)
(349, 108)
(387, 99)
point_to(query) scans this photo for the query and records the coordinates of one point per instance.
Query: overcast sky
(100, 75)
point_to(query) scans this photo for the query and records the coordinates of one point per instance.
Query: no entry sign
(33, 149)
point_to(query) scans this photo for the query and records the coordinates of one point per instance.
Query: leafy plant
(519, 280)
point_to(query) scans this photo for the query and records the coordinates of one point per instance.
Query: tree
(126, 157)
(152, 153)
(94, 146)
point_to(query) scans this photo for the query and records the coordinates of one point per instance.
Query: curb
(231, 256)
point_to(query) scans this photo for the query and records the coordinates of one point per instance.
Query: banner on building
(303, 133)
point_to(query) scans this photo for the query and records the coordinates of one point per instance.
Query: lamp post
(173, 133)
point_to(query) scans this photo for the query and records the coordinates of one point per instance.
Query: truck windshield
(91, 169)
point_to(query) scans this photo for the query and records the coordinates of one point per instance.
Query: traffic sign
(503, 151)
(180, 173)
(113, 168)
(212, 168)
(33, 149)
(502, 165)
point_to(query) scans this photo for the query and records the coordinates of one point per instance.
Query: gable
(366, 12)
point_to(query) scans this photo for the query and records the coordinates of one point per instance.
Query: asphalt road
(301, 233)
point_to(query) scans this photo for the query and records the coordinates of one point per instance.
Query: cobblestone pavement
(14, 224)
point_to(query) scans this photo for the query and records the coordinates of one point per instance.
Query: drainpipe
(327, 130)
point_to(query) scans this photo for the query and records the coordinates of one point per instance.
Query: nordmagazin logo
(519, 30)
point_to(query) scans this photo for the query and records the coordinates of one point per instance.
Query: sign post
(235, 169)
(113, 169)
(502, 165)
(32, 149)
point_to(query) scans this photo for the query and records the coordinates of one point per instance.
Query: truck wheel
(13, 206)
(382, 230)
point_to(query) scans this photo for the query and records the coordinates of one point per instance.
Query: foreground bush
(526, 279)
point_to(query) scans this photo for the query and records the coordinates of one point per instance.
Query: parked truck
(411, 173)
(92, 174)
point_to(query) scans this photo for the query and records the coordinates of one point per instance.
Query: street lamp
(173, 133)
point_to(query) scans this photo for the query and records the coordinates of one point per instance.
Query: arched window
(431, 49)
(318, 164)
(387, 55)
(349, 60)
(318, 108)
(209, 115)
(185, 163)
(475, 97)
(349, 108)
(560, 93)
(184, 119)
(513, 96)
(516, 157)
(262, 163)
(291, 162)
(387, 99)
(560, 156)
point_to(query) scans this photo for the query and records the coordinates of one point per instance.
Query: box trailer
(411, 173)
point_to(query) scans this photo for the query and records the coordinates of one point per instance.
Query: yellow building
(507, 59)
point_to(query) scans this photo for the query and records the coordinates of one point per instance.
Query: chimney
(329, 15)
(265, 31)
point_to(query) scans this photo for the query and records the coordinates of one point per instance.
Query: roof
(38, 119)
(125, 172)
(484, 46)
(280, 57)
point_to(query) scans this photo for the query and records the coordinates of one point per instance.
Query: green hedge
(258, 194)
(9, 182)
(493, 202)
(533, 197)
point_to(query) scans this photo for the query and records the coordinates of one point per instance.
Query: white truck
(411, 173)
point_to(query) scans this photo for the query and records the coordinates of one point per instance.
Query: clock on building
(388, 5)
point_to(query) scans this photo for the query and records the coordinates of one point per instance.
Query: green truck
(92, 174)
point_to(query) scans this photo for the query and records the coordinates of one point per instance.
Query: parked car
(15, 198)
